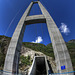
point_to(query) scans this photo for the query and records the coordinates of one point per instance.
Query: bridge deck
(39, 66)
(35, 19)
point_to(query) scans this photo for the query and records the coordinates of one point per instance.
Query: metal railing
(72, 72)
(6, 73)
(24, 73)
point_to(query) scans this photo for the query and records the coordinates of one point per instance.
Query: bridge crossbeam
(35, 19)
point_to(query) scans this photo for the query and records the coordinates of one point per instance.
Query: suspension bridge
(39, 65)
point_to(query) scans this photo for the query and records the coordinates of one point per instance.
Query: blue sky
(62, 11)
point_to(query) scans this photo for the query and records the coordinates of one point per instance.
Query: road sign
(63, 67)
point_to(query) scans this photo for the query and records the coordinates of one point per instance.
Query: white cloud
(38, 40)
(64, 29)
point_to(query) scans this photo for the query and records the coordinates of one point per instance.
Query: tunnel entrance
(40, 66)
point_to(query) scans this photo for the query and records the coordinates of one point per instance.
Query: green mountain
(47, 50)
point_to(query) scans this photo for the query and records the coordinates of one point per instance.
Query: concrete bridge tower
(61, 53)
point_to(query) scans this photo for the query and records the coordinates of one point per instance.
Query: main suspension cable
(13, 19)
(10, 25)
(11, 22)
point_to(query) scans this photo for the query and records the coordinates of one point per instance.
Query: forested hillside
(47, 50)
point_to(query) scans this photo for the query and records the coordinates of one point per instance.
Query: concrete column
(61, 53)
(13, 53)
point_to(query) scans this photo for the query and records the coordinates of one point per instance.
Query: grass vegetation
(48, 50)
(24, 61)
(71, 48)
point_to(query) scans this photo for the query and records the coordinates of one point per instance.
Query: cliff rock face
(29, 52)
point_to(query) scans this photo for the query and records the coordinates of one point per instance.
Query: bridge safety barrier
(63, 73)
(6, 73)
(23, 73)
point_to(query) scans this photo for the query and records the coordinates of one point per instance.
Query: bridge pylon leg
(61, 53)
(13, 53)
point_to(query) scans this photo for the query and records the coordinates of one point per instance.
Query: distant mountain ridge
(71, 41)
